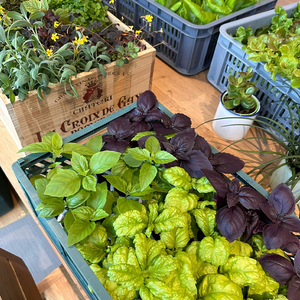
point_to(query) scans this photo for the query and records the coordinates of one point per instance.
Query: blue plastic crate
(35, 164)
(189, 48)
(229, 58)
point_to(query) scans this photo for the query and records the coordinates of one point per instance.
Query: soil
(239, 109)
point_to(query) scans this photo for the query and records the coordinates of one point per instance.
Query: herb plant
(276, 45)
(150, 232)
(37, 49)
(240, 92)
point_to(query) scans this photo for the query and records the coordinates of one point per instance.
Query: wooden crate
(28, 120)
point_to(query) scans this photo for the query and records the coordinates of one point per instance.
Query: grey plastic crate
(189, 48)
(229, 58)
(35, 164)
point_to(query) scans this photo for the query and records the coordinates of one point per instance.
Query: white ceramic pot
(281, 175)
(225, 129)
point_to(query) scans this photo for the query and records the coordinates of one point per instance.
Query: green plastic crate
(35, 164)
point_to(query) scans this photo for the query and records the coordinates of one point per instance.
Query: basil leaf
(79, 230)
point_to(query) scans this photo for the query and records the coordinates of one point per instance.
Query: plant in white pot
(238, 107)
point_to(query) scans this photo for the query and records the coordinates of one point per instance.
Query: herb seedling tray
(188, 48)
(35, 164)
(229, 58)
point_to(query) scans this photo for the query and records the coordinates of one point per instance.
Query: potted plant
(238, 107)
(43, 50)
(154, 227)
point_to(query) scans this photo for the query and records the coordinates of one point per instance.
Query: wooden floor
(191, 95)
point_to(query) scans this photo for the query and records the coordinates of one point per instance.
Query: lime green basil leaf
(98, 236)
(47, 138)
(40, 185)
(152, 144)
(153, 213)
(79, 230)
(178, 177)
(204, 268)
(217, 286)
(119, 291)
(182, 199)
(63, 184)
(162, 267)
(112, 197)
(127, 275)
(265, 289)
(103, 161)
(146, 294)
(117, 182)
(99, 214)
(40, 206)
(98, 198)
(83, 212)
(108, 224)
(69, 148)
(95, 143)
(147, 174)
(119, 168)
(243, 270)
(178, 238)
(205, 219)
(127, 205)
(130, 161)
(141, 134)
(163, 157)
(32, 5)
(91, 252)
(57, 141)
(161, 290)
(139, 154)
(79, 163)
(147, 249)
(89, 183)
(202, 185)
(68, 219)
(203, 204)
(77, 199)
(130, 223)
(214, 251)
(36, 148)
(125, 255)
(170, 219)
(53, 208)
(241, 249)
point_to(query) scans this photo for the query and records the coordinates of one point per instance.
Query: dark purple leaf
(118, 146)
(202, 145)
(136, 115)
(275, 236)
(221, 202)
(153, 115)
(218, 182)
(282, 199)
(166, 120)
(250, 198)
(269, 211)
(231, 222)
(174, 163)
(291, 222)
(184, 141)
(147, 101)
(195, 163)
(252, 223)
(106, 138)
(226, 163)
(278, 267)
(260, 227)
(169, 147)
(160, 138)
(293, 292)
(234, 185)
(180, 122)
(159, 128)
(293, 245)
(232, 199)
(140, 126)
(297, 263)
(120, 128)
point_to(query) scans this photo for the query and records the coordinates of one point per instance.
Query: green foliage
(240, 91)
(88, 10)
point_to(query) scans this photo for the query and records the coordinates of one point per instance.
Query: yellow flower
(34, 49)
(76, 42)
(56, 24)
(112, 2)
(161, 30)
(138, 31)
(77, 27)
(2, 10)
(54, 37)
(49, 52)
(148, 18)
(84, 38)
